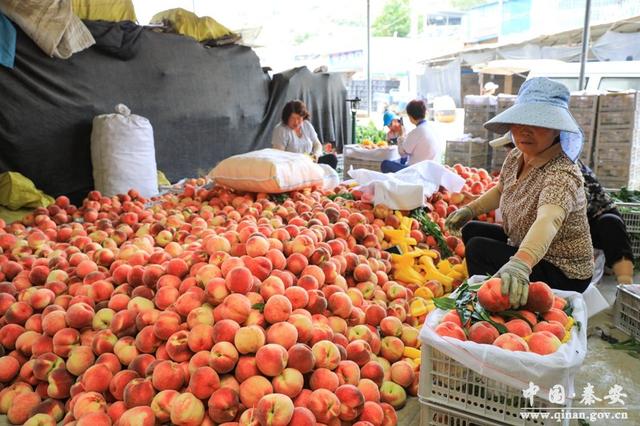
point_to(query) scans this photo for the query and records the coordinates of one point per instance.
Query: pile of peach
(206, 308)
(539, 327)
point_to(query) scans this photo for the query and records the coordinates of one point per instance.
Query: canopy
(512, 66)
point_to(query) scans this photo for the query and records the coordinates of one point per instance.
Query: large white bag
(268, 170)
(518, 369)
(123, 154)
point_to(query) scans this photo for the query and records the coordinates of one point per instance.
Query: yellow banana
(412, 353)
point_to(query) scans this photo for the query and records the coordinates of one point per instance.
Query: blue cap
(388, 117)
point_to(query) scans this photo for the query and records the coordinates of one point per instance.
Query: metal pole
(369, 94)
(585, 44)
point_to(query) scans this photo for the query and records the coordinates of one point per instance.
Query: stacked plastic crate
(499, 154)
(616, 159)
(477, 111)
(470, 152)
(584, 107)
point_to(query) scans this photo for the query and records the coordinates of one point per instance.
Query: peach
(325, 405)
(322, 378)
(124, 323)
(359, 351)
(249, 339)
(96, 378)
(274, 410)
(236, 307)
(200, 338)
(21, 407)
(8, 394)
(348, 373)
(559, 302)
(308, 282)
(554, 327)
(223, 405)
(296, 262)
(301, 357)
(50, 407)
(161, 405)
(103, 342)
(137, 416)
(360, 331)
(41, 420)
(402, 373)
(351, 402)
(390, 415)
(340, 304)
(529, 316)
(272, 359)
(372, 413)
(449, 329)
(245, 368)
(9, 333)
(519, 327)
(79, 360)
(254, 388)
(326, 354)
(392, 348)
(54, 322)
(374, 371)
(370, 390)
(289, 382)
(302, 416)
(120, 381)
(18, 313)
(303, 325)
(87, 402)
(248, 418)
(116, 410)
(138, 392)
(9, 368)
(272, 285)
(277, 258)
(391, 326)
(45, 364)
(277, 309)
(102, 319)
(94, 419)
(204, 381)
(239, 280)
(374, 314)
(177, 345)
(167, 375)
(282, 333)
(543, 342)
(511, 342)
(454, 317)
(216, 291)
(540, 297)
(224, 357)
(491, 298)
(225, 330)
(298, 297)
(556, 315)
(260, 266)
(393, 394)
(125, 349)
(483, 332)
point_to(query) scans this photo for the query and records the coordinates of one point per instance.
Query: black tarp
(325, 95)
(205, 104)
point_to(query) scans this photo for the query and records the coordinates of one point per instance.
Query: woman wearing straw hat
(608, 230)
(545, 232)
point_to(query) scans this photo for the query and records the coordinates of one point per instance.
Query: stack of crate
(477, 111)
(617, 146)
(498, 155)
(584, 108)
(470, 152)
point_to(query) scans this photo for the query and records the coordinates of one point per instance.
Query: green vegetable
(431, 228)
(346, 196)
(279, 198)
(369, 132)
(626, 195)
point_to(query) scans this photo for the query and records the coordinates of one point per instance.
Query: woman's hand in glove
(458, 219)
(515, 281)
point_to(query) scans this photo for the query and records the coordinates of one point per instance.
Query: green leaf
(515, 314)
(279, 198)
(346, 196)
(431, 228)
(568, 309)
(259, 307)
(444, 303)
(486, 317)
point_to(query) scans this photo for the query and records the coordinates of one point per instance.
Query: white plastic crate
(359, 164)
(626, 311)
(621, 101)
(436, 415)
(446, 382)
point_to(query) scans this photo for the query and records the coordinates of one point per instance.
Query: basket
(446, 382)
(436, 415)
(626, 311)
(359, 164)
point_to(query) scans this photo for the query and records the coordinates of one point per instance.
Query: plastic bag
(517, 369)
(19, 192)
(377, 154)
(331, 178)
(123, 154)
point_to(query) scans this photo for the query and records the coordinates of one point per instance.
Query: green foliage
(430, 228)
(467, 4)
(346, 196)
(625, 195)
(395, 19)
(369, 132)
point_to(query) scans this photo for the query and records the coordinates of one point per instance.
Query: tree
(467, 4)
(394, 21)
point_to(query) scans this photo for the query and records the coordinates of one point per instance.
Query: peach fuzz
(274, 410)
(271, 359)
(223, 405)
(137, 416)
(325, 405)
(289, 382)
(301, 357)
(326, 354)
(277, 309)
(543, 343)
(491, 298)
(450, 329)
(254, 388)
(556, 315)
(540, 297)
(351, 402)
(511, 342)
(204, 381)
(519, 327)
(224, 357)
(249, 339)
(554, 327)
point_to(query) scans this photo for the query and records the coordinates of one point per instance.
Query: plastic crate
(616, 118)
(505, 101)
(446, 382)
(612, 152)
(583, 101)
(618, 101)
(630, 213)
(626, 311)
(359, 164)
(615, 135)
(436, 415)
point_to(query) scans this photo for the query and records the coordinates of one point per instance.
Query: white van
(614, 76)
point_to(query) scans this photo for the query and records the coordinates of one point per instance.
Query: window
(571, 82)
(619, 83)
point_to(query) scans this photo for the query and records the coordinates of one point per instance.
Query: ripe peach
(348, 373)
(298, 297)
(224, 357)
(249, 339)
(18, 313)
(296, 262)
(327, 355)
(94, 419)
(372, 413)
(138, 392)
(137, 416)
(450, 329)
(483, 332)
(556, 315)
(274, 410)
(393, 394)
(519, 327)
(223, 405)
(322, 378)
(161, 405)
(87, 402)
(529, 316)
(374, 371)
(200, 338)
(301, 357)
(45, 364)
(374, 314)
(21, 407)
(177, 345)
(359, 351)
(204, 381)
(491, 298)
(554, 327)
(50, 407)
(392, 348)
(325, 405)
(282, 333)
(239, 280)
(289, 382)
(302, 416)
(80, 359)
(9, 368)
(402, 373)
(225, 330)
(370, 390)
(540, 298)
(390, 415)
(391, 326)
(511, 342)
(559, 302)
(167, 375)
(41, 420)
(303, 325)
(8, 394)
(277, 309)
(254, 388)
(120, 381)
(351, 402)
(543, 342)
(272, 359)
(96, 378)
